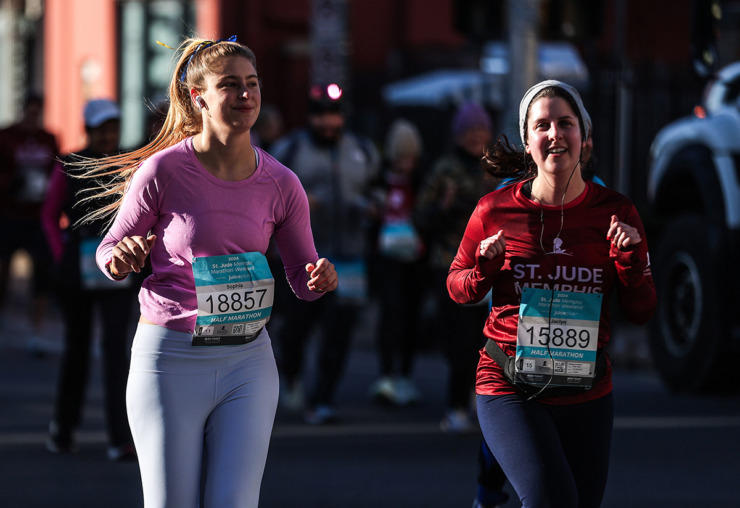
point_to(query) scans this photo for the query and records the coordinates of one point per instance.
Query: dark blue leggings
(554, 456)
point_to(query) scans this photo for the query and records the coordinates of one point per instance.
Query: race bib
(399, 240)
(557, 338)
(91, 278)
(235, 295)
(352, 287)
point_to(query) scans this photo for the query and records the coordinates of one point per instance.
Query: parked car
(694, 196)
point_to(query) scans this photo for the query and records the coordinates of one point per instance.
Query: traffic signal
(572, 20)
(705, 20)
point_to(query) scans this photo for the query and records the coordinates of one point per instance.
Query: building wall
(79, 64)
(387, 40)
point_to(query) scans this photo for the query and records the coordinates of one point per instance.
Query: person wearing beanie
(454, 186)
(543, 371)
(336, 167)
(400, 266)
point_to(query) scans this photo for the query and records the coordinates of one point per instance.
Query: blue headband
(200, 46)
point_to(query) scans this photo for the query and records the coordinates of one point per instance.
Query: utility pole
(329, 42)
(523, 65)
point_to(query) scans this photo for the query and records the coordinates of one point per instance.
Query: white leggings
(194, 409)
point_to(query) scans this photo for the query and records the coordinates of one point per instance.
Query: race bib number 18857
(235, 295)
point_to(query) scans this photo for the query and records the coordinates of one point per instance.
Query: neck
(232, 158)
(550, 190)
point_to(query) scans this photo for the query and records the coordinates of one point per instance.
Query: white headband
(532, 92)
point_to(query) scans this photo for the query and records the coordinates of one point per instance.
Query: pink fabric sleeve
(52, 210)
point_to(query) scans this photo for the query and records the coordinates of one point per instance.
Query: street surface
(668, 450)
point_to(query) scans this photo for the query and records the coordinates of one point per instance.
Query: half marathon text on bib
(235, 295)
(557, 338)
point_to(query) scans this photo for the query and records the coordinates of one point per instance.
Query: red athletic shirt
(579, 258)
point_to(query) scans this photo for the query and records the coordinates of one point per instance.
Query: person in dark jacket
(82, 289)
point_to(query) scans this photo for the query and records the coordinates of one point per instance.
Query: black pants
(337, 321)
(553, 455)
(78, 307)
(401, 288)
(461, 335)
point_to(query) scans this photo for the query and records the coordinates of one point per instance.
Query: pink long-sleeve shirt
(195, 214)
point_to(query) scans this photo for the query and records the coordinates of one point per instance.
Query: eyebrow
(234, 76)
(564, 117)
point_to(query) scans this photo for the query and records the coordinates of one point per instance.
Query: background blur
(638, 63)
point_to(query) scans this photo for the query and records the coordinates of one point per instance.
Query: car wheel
(688, 331)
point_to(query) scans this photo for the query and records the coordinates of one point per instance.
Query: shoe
(122, 453)
(38, 347)
(58, 441)
(321, 415)
(406, 392)
(292, 397)
(383, 391)
(399, 391)
(501, 499)
(457, 421)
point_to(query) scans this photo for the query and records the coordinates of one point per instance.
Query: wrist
(113, 273)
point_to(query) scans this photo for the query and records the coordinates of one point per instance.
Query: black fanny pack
(507, 363)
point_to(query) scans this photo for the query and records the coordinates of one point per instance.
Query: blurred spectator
(82, 288)
(400, 268)
(27, 154)
(155, 119)
(445, 204)
(268, 128)
(336, 168)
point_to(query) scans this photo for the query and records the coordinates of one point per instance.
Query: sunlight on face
(553, 135)
(232, 95)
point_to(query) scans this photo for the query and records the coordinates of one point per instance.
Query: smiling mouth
(556, 151)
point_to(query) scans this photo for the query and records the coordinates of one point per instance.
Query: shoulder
(500, 196)
(610, 201)
(602, 193)
(447, 164)
(361, 142)
(165, 163)
(274, 168)
(284, 147)
(278, 173)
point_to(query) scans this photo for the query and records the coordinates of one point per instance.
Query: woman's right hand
(493, 245)
(129, 255)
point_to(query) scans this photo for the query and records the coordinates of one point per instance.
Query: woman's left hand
(322, 276)
(622, 235)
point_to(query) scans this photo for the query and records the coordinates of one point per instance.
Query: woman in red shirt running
(553, 249)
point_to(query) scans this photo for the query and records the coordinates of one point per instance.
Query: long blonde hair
(113, 174)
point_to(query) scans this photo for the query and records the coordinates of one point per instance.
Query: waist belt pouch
(507, 364)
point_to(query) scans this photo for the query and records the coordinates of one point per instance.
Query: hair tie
(200, 46)
(166, 46)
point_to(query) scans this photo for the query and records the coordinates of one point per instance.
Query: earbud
(199, 102)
